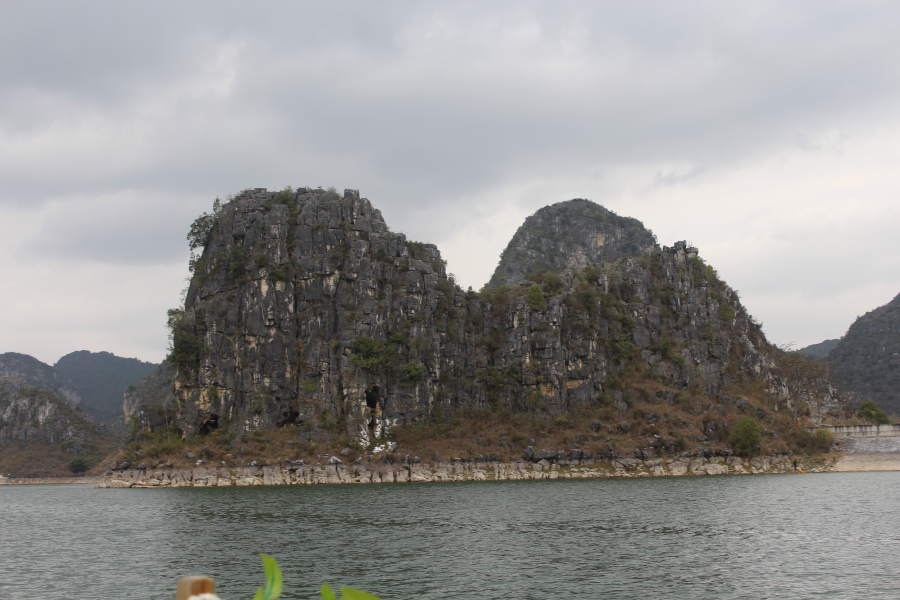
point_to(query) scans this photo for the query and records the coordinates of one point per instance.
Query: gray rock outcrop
(374, 472)
(150, 402)
(570, 235)
(304, 308)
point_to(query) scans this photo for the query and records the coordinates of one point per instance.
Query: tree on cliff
(746, 436)
(201, 231)
(869, 410)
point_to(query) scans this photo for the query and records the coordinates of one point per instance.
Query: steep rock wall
(305, 307)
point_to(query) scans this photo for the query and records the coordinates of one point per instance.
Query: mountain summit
(570, 235)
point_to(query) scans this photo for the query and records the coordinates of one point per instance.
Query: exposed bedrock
(305, 307)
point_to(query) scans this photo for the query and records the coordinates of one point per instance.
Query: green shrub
(726, 313)
(412, 372)
(623, 349)
(588, 299)
(824, 437)
(185, 350)
(262, 261)
(536, 299)
(679, 359)
(237, 260)
(592, 274)
(552, 283)
(202, 227)
(375, 356)
(259, 403)
(278, 274)
(664, 346)
(79, 464)
(368, 353)
(285, 196)
(308, 386)
(869, 410)
(746, 436)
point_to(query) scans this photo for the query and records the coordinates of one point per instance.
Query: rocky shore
(48, 480)
(335, 471)
(868, 454)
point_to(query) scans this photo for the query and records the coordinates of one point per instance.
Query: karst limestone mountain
(866, 360)
(42, 426)
(304, 308)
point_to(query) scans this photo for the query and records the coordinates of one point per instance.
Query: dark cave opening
(207, 423)
(374, 402)
(373, 397)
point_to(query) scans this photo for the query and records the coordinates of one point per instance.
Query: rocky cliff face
(570, 235)
(306, 309)
(40, 428)
(866, 361)
(151, 401)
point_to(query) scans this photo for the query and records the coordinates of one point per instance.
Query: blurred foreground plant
(273, 586)
(273, 580)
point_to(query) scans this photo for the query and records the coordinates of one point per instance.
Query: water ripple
(804, 536)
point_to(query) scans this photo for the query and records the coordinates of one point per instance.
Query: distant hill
(570, 235)
(42, 427)
(101, 379)
(866, 361)
(819, 350)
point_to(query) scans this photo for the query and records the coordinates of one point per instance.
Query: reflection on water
(788, 536)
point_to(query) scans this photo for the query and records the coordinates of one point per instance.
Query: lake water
(774, 536)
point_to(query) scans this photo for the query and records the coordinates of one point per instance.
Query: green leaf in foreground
(273, 580)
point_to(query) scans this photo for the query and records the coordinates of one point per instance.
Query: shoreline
(867, 462)
(377, 472)
(50, 480)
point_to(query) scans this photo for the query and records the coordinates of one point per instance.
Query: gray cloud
(118, 228)
(119, 122)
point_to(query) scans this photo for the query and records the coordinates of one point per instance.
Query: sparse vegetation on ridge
(379, 340)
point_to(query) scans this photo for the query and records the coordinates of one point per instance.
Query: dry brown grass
(472, 432)
(36, 459)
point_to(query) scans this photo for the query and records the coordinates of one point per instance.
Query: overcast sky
(766, 133)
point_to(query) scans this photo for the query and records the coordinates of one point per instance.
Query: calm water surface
(789, 536)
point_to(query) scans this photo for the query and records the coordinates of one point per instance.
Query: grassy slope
(503, 435)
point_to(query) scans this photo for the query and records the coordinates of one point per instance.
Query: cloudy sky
(766, 133)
